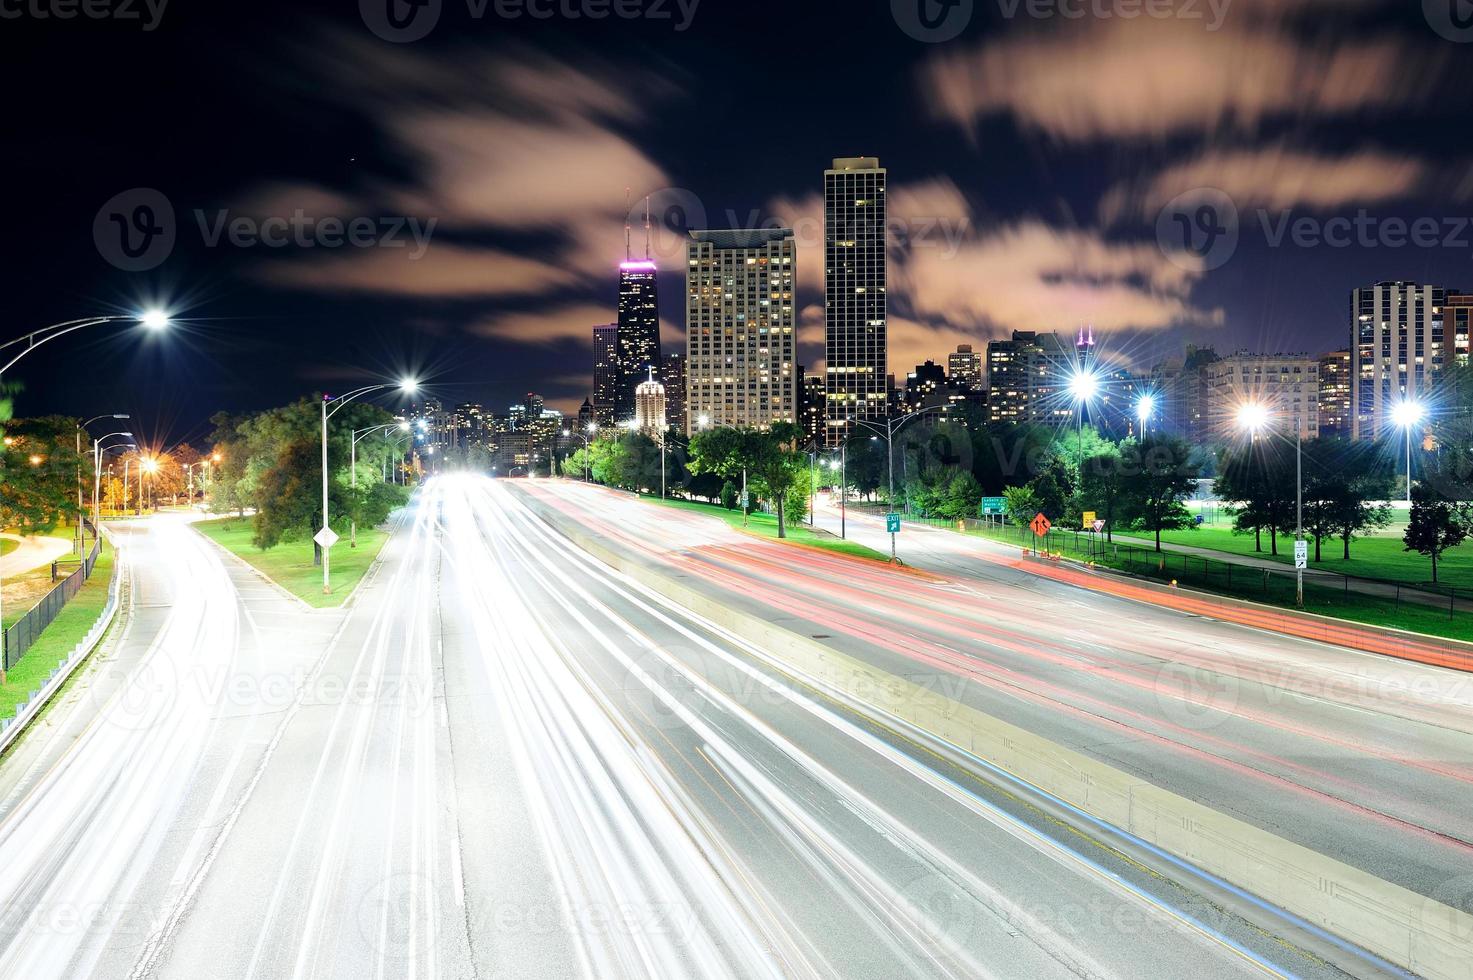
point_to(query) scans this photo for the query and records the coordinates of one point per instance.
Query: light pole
(587, 438)
(893, 426)
(97, 474)
(150, 467)
(1084, 385)
(1407, 415)
(338, 401)
(353, 469)
(81, 542)
(1254, 417)
(151, 320)
(843, 488)
(705, 422)
(1145, 407)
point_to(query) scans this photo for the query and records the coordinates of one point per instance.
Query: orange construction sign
(1041, 526)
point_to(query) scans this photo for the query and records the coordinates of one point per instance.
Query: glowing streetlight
(1253, 417)
(1145, 409)
(155, 319)
(1407, 414)
(1084, 386)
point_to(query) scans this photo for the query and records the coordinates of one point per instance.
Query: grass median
(290, 564)
(765, 525)
(7, 546)
(57, 640)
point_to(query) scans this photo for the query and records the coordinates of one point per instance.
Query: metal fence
(1322, 587)
(26, 630)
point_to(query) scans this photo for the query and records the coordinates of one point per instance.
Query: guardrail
(10, 728)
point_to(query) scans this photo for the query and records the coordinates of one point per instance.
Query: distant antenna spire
(628, 207)
(647, 230)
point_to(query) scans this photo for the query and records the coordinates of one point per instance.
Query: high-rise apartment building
(605, 373)
(964, 366)
(855, 319)
(638, 335)
(649, 407)
(674, 377)
(740, 333)
(1180, 388)
(1287, 385)
(1027, 377)
(1457, 325)
(1335, 394)
(1398, 342)
(925, 387)
(811, 390)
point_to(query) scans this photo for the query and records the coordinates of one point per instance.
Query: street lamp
(80, 429)
(323, 538)
(97, 473)
(1145, 408)
(892, 427)
(1253, 417)
(355, 438)
(1084, 385)
(843, 467)
(1407, 414)
(151, 319)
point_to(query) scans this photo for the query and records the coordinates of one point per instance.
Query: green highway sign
(994, 506)
(892, 523)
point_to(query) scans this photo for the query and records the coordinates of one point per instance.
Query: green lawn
(1375, 557)
(1190, 572)
(58, 639)
(290, 566)
(765, 525)
(7, 546)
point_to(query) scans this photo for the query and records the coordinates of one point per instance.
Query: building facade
(1335, 394)
(1287, 385)
(964, 367)
(605, 373)
(675, 383)
(649, 407)
(741, 328)
(1398, 343)
(638, 334)
(1027, 377)
(855, 311)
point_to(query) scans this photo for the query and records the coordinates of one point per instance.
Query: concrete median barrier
(1410, 930)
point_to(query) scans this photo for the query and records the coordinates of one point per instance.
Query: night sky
(1029, 161)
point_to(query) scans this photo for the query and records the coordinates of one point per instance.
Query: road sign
(325, 538)
(1041, 525)
(1089, 519)
(743, 500)
(994, 506)
(1301, 554)
(1097, 527)
(892, 523)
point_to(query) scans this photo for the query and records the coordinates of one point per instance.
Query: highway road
(505, 760)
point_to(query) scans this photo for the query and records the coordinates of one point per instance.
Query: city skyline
(1038, 231)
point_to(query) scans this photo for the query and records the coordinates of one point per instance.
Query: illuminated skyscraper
(855, 325)
(741, 327)
(605, 373)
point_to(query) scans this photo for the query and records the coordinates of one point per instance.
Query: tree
(1257, 481)
(961, 497)
(1103, 484)
(1436, 525)
(777, 465)
(730, 495)
(1364, 479)
(38, 473)
(1054, 488)
(1159, 478)
(707, 486)
(1022, 505)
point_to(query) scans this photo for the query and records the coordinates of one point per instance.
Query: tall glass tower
(855, 332)
(638, 334)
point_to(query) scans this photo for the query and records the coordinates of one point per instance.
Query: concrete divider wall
(1403, 927)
